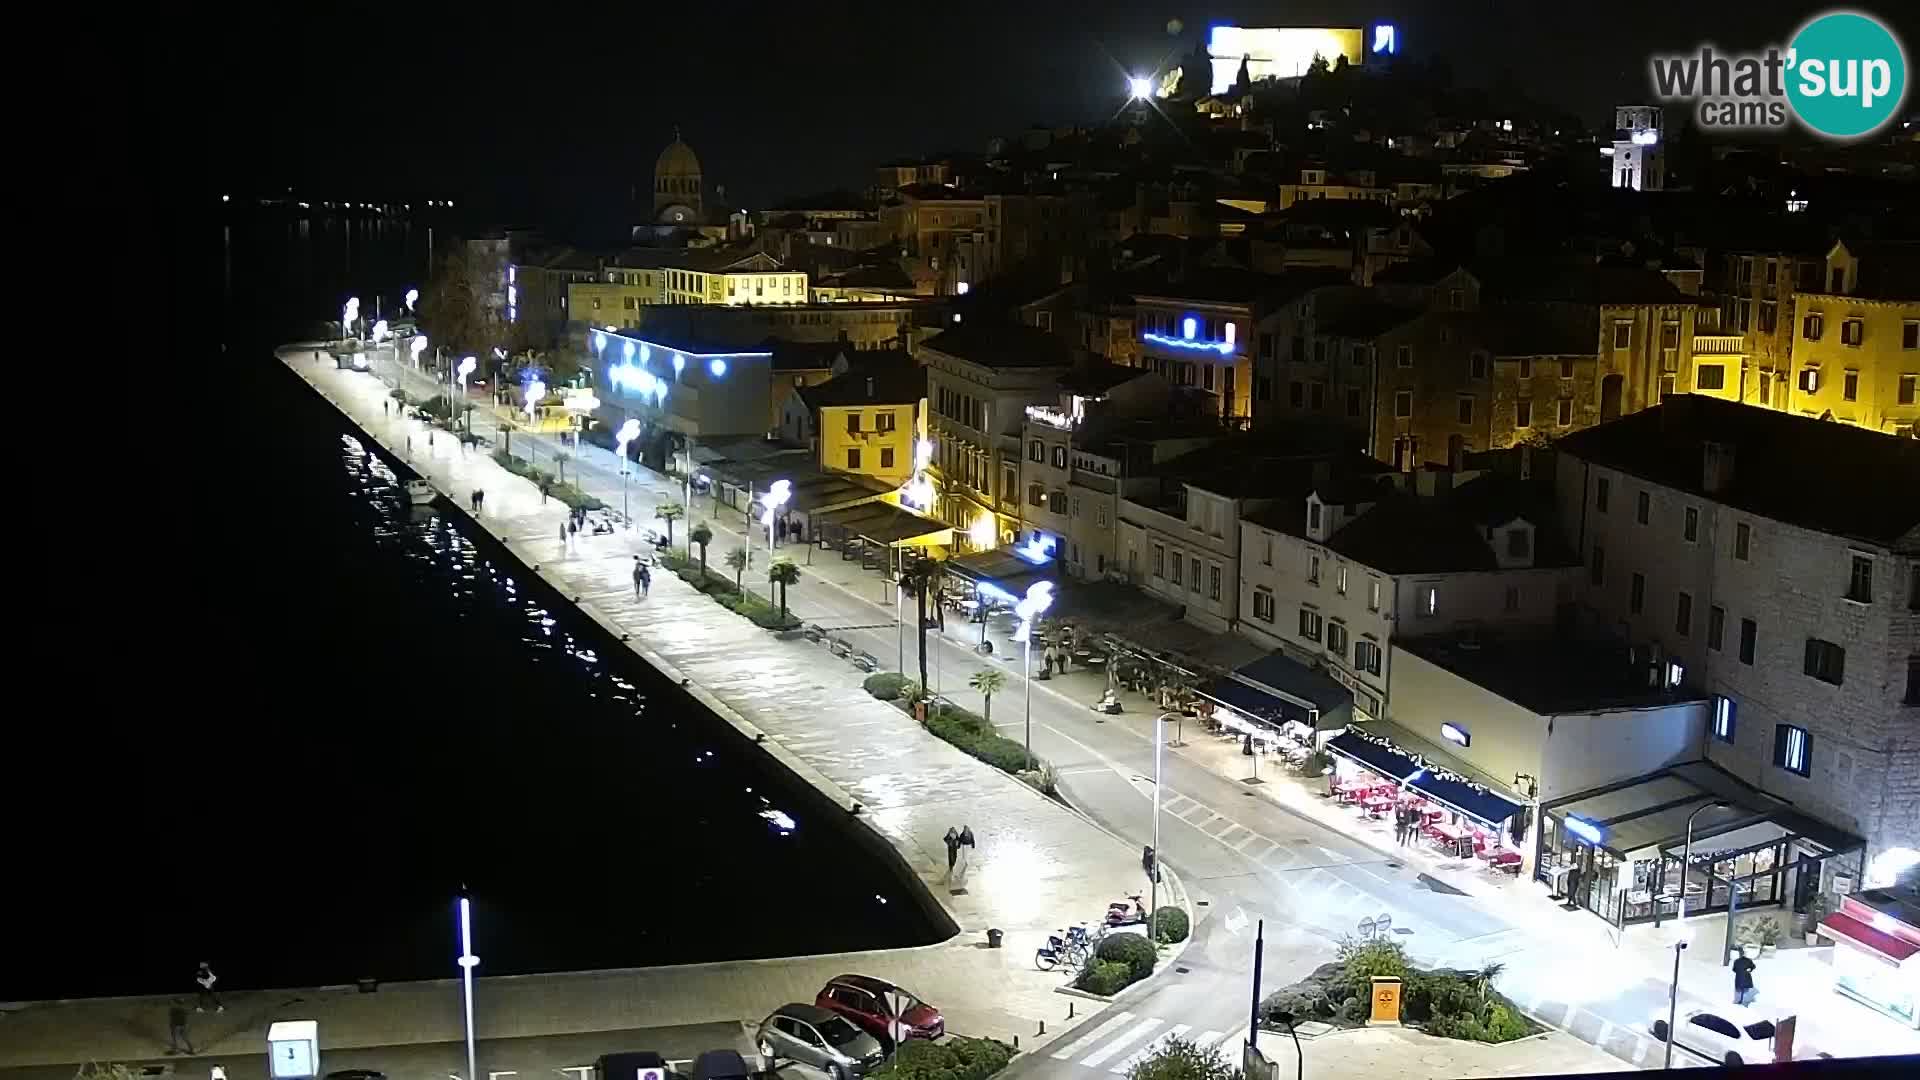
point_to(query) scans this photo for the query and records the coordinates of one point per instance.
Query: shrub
(885, 685)
(1363, 960)
(1180, 1059)
(957, 1058)
(1104, 977)
(1170, 925)
(1354, 1010)
(1303, 1002)
(1132, 950)
(1044, 779)
(976, 738)
(1313, 764)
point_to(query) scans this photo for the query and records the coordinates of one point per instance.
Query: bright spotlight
(1140, 87)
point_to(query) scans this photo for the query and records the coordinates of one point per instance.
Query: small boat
(420, 493)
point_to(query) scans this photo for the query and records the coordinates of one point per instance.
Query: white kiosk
(293, 1047)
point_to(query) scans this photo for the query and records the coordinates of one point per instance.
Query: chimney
(1716, 471)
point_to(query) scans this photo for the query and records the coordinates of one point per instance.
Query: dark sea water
(315, 712)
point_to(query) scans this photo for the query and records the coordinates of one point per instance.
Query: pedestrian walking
(1743, 991)
(563, 536)
(429, 438)
(474, 500)
(205, 978)
(386, 408)
(646, 581)
(543, 493)
(964, 857)
(639, 578)
(1066, 654)
(177, 1030)
(479, 499)
(573, 528)
(953, 849)
(1046, 662)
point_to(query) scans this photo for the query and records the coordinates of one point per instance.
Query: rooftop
(1581, 281)
(1000, 345)
(876, 385)
(1094, 379)
(1821, 475)
(1543, 674)
(1228, 285)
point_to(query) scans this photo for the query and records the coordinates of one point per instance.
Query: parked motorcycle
(1120, 913)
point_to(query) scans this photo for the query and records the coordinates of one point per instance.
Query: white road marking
(1133, 1034)
(1205, 1039)
(1148, 1050)
(1091, 1037)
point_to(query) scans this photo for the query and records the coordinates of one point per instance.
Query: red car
(881, 1009)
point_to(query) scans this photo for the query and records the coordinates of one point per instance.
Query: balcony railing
(1719, 344)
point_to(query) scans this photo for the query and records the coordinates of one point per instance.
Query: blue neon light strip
(1224, 348)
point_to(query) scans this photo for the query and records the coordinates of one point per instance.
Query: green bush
(957, 1058)
(974, 736)
(885, 685)
(1354, 1010)
(1181, 1059)
(1365, 959)
(1132, 950)
(1104, 977)
(1314, 764)
(1304, 1002)
(1170, 925)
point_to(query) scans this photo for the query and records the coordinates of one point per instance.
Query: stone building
(1856, 353)
(1772, 561)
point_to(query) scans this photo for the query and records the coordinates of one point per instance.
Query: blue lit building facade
(1203, 343)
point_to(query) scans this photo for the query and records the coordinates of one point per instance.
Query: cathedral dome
(678, 159)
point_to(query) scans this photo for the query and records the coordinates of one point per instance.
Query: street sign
(1386, 1000)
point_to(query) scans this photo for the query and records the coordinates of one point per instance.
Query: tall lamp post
(412, 296)
(773, 499)
(1038, 599)
(468, 962)
(348, 314)
(417, 346)
(628, 432)
(1686, 863)
(1153, 873)
(465, 369)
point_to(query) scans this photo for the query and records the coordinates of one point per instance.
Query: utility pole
(1259, 953)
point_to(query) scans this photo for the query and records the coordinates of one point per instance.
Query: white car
(1727, 1035)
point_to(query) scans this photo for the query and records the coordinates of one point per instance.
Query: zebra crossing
(1124, 1040)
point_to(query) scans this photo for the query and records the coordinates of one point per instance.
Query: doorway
(1611, 389)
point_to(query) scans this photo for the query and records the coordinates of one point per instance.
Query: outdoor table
(1453, 836)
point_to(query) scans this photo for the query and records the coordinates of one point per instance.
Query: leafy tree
(737, 562)
(1180, 1059)
(783, 573)
(701, 535)
(669, 512)
(988, 682)
(454, 310)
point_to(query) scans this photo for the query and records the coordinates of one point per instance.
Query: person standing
(205, 978)
(639, 578)
(177, 1030)
(953, 849)
(563, 534)
(646, 581)
(1743, 991)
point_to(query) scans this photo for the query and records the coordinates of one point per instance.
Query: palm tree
(783, 573)
(560, 459)
(669, 512)
(1483, 979)
(922, 579)
(989, 682)
(737, 562)
(701, 534)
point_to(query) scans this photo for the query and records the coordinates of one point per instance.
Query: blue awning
(1481, 805)
(1252, 702)
(1384, 760)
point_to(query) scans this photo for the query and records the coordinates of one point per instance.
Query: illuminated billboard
(1278, 52)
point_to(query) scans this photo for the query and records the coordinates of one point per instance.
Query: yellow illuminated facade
(603, 303)
(1857, 360)
(872, 440)
(1278, 52)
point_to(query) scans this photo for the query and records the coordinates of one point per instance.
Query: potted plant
(1769, 934)
(1817, 909)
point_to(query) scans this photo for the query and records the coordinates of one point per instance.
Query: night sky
(531, 111)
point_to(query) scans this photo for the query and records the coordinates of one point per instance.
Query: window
(1403, 355)
(853, 423)
(1465, 409)
(1100, 515)
(1059, 457)
(1428, 600)
(1159, 561)
(1519, 543)
(1810, 380)
(1213, 583)
(1193, 581)
(1037, 451)
(1402, 404)
(1316, 396)
(1622, 334)
(1913, 682)
(1602, 487)
(1340, 579)
(1366, 656)
(1036, 495)
(1749, 638)
(1910, 335)
(1177, 565)
(1683, 615)
(1354, 399)
(1637, 594)
(1297, 394)
(1710, 377)
(1566, 367)
(1523, 413)
(1526, 367)
(1313, 569)
(1337, 639)
(883, 421)
(1723, 710)
(1373, 594)
(1313, 517)
(1860, 580)
(1850, 332)
(1909, 384)
(1826, 661)
(1690, 527)
(1477, 365)
(1310, 624)
(886, 457)
(1813, 326)
(1791, 750)
(1263, 605)
(1716, 627)
(1643, 508)
(1512, 600)
(1599, 575)
(853, 457)
(1742, 541)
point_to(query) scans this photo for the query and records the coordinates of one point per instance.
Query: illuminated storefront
(1876, 956)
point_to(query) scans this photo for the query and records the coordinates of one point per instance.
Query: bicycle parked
(1072, 948)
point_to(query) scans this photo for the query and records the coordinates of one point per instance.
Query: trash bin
(993, 939)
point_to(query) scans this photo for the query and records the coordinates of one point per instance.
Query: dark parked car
(883, 1010)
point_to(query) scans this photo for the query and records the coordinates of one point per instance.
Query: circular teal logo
(1848, 74)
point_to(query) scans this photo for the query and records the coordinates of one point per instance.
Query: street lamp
(467, 962)
(467, 364)
(418, 346)
(1153, 881)
(773, 499)
(1038, 599)
(412, 296)
(348, 314)
(1139, 88)
(1686, 862)
(628, 432)
(535, 391)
